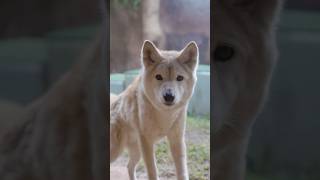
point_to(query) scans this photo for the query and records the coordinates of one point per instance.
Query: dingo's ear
(190, 55)
(149, 54)
(262, 11)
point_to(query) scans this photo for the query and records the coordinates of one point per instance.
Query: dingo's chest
(158, 124)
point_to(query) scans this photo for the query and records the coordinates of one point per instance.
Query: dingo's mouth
(169, 103)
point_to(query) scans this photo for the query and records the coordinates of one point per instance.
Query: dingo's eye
(159, 77)
(223, 53)
(179, 78)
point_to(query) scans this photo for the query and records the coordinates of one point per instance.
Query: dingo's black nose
(168, 97)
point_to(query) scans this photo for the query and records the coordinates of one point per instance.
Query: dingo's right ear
(150, 54)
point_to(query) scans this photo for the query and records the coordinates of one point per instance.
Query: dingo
(155, 106)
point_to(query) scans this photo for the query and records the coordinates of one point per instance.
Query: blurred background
(167, 23)
(285, 141)
(39, 40)
(170, 24)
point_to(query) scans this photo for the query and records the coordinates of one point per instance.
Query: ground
(198, 151)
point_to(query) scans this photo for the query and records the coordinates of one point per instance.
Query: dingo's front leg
(149, 157)
(134, 155)
(178, 150)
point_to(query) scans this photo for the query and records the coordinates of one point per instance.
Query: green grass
(198, 123)
(198, 161)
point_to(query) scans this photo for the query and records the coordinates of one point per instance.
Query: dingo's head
(169, 77)
(243, 56)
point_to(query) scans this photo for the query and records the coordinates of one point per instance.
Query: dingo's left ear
(190, 55)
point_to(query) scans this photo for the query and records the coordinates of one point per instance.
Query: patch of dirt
(118, 173)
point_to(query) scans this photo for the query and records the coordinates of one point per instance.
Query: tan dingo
(155, 106)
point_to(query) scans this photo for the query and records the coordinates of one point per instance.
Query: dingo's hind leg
(117, 141)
